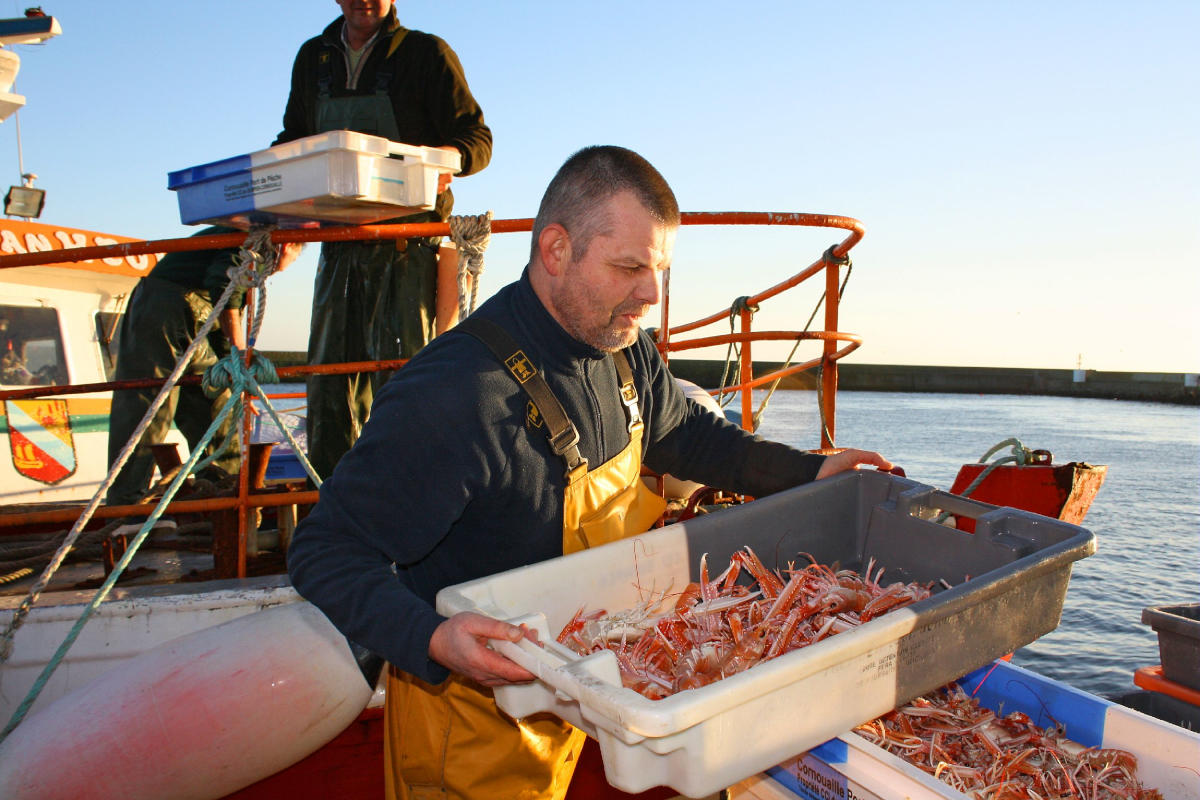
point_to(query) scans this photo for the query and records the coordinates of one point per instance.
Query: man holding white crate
(377, 301)
(518, 437)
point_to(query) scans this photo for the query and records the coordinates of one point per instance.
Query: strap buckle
(565, 445)
(629, 398)
(564, 440)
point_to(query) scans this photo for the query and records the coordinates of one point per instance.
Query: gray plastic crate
(1008, 582)
(1178, 629)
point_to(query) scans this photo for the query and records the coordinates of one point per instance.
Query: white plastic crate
(851, 767)
(337, 177)
(703, 740)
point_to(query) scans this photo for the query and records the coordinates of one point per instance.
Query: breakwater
(1158, 387)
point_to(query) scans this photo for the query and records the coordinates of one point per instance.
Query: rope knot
(829, 258)
(232, 373)
(742, 304)
(471, 235)
(255, 261)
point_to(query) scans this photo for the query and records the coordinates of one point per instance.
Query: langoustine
(950, 736)
(717, 627)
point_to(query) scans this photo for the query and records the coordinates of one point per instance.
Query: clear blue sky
(1028, 172)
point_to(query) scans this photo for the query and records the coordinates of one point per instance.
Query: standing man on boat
(376, 301)
(166, 311)
(517, 437)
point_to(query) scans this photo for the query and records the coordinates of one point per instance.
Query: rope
(1020, 455)
(742, 303)
(826, 435)
(6, 638)
(762, 408)
(232, 370)
(111, 580)
(296, 448)
(17, 575)
(733, 352)
(471, 235)
(18, 559)
(252, 265)
(828, 257)
(732, 355)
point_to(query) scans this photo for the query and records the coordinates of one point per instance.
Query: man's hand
(851, 459)
(285, 254)
(460, 645)
(444, 178)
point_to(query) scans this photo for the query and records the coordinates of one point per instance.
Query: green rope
(232, 373)
(232, 370)
(1020, 455)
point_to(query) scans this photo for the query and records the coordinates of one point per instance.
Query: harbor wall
(1159, 387)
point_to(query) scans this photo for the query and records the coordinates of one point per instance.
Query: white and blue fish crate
(851, 768)
(338, 177)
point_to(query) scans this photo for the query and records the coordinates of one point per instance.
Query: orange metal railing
(668, 343)
(830, 263)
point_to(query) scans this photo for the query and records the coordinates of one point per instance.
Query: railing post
(829, 364)
(747, 373)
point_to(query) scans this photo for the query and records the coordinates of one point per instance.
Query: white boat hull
(132, 621)
(197, 717)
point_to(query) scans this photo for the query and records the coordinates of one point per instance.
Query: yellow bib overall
(450, 741)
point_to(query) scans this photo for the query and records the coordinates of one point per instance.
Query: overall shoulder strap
(629, 396)
(325, 70)
(564, 437)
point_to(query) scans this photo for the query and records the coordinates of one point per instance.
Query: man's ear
(554, 248)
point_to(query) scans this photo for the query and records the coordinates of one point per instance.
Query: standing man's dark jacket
(428, 89)
(377, 300)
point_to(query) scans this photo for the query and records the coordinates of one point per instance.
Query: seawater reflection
(1146, 517)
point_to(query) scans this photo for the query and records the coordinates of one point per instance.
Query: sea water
(1146, 516)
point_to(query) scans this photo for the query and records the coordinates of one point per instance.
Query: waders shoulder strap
(564, 437)
(633, 412)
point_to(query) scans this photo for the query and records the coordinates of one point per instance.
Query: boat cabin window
(108, 334)
(31, 349)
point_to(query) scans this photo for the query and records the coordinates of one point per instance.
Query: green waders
(372, 301)
(162, 320)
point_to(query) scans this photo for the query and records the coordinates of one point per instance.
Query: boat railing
(670, 340)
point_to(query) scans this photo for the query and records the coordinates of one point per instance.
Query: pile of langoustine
(717, 628)
(950, 736)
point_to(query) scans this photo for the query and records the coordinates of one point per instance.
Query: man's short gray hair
(587, 180)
